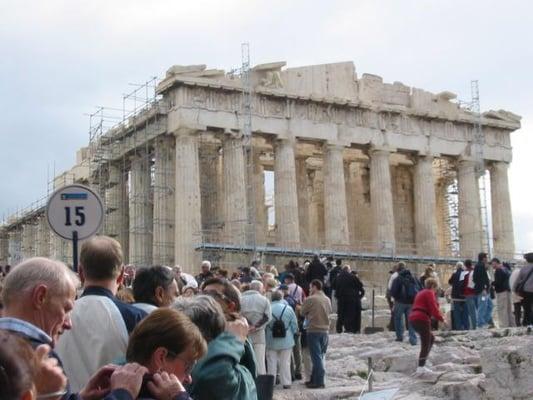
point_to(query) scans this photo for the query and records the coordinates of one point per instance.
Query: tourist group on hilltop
(119, 332)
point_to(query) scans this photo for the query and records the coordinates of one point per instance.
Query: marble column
(304, 200)
(261, 222)
(164, 218)
(141, 213)
(236, 206)
(209, 172)
(4, 247)
(470, 231)
(337, 234)
(43, 238)
(188, 224)
(502, 218)
(285, 195)
(425, 207)
(381, 201)
(350, 201)
(316, 208)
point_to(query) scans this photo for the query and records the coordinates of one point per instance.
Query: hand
(251, 329)
(129, 377)
(165, 386)
(49, 376)
(239, 328)
(99, 384)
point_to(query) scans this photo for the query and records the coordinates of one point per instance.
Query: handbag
(520, 287)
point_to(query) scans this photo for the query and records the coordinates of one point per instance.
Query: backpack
(410, 287)
(278, 327)
(291, 300)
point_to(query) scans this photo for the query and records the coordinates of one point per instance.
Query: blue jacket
(291, 326)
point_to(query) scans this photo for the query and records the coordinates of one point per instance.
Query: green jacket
(218, 375)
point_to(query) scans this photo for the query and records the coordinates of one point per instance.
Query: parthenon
(360, 167)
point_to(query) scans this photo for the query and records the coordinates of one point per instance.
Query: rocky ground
(485, 364)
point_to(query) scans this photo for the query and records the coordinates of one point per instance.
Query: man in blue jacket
(403, 290)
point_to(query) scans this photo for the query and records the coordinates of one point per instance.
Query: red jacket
(425, 306)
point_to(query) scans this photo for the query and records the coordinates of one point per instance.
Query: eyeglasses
(189, 366)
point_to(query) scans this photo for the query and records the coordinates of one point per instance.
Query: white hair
(206, 263)
(256, 285)
(38, 271)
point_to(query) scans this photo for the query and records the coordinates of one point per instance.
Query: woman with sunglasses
(168, 344)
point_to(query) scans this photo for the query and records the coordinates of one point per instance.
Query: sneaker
(423, 370)
(311, 385)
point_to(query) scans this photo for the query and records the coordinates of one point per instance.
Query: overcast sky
(60, 59)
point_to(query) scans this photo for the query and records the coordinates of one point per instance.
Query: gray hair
(205, 313)
(206, 263)
(256, 285)
(38, 271)
(277, 295)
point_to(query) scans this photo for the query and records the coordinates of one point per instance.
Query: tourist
(101, 322)
(220, 374)
(205, 273)
(316, 270)
(38, 297)
(424, 308)
(459, 308)
(349, 291)
(270, 286)
(271, 269)
(294, 295)
(167, 343)
(245, 276)
(229, 298)
(524, 288)
(482, 288)
(25, 373)
(154, 287)
(429, 272)
(469, 294)
(503, 293)
(255, 307)
(279, 342)
(332, 276)
(189, 291)
(403, 291)
(316, 310)
(516, 298)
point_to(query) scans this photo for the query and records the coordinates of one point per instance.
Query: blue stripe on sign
(74, 196)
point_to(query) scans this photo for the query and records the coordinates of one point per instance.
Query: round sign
(75, 208)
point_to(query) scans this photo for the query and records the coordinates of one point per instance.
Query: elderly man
(205, 273)
(256, 309)
(101, 322)
(38, 296)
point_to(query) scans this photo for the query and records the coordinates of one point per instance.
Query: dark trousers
(423, 328)
(527, 303)
(517, 311)
(348, 315)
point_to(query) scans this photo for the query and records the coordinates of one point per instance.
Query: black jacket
(405, 278)
(457, 285)
(347, 285)
(481, 278)
(501, 280)
(316, 270)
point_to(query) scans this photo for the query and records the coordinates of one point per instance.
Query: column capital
(374, 149)
(180, 132)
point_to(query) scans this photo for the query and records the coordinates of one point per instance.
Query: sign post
(75, 212)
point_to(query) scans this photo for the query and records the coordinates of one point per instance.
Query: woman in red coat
(424, 308)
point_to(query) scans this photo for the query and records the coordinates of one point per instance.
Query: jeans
(471, 307)
(400, 311)
(318, 345)
(484, 310)
(460, 315)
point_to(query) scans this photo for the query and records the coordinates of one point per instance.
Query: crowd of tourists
(118, 332)
(473, 289)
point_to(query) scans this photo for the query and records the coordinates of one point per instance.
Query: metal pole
(75, 251)
(373, 302)
(370, 377)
